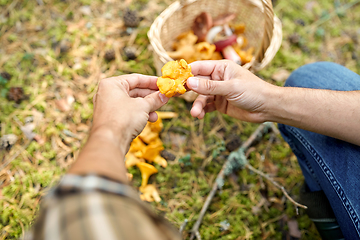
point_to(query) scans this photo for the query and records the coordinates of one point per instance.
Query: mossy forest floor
(54, 50)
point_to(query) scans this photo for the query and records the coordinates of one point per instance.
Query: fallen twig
(229, 165)
(6, 162)
(183, 225)
(276, 185)
(220, 177)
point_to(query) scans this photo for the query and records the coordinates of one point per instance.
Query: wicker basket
(263, 28)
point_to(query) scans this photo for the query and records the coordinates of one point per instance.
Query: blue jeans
(327, 163)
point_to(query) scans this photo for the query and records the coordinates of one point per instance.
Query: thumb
(208, 87)
(156, 100)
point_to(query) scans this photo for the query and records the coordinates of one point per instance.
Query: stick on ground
(254, 136)
(221, 175)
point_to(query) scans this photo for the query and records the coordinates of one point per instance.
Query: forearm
(331, 113)
(102, 155)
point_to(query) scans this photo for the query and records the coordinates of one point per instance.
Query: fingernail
(163, 98)
(193, 83)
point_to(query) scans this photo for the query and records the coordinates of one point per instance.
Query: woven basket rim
(155, 40)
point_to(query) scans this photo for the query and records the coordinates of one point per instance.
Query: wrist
(103, 155)
(119, 137)
(273, 102)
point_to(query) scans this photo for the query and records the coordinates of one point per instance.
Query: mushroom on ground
(146, 171)
(161, 161)
(151, 153)
(136, 145)
(149, 193)
(156, 126)
(131, 160)
(147, 135)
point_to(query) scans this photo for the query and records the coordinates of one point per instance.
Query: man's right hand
(228, 88)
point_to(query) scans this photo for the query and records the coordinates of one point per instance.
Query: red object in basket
(220, 45)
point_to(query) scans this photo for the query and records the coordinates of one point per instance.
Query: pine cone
(64, 46)
(16, 94)
(234, 143)
(109, 55)
(168, 155)
(130, 53)
(6, 75)
(131, 19)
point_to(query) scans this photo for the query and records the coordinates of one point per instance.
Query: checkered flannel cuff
(75, 183)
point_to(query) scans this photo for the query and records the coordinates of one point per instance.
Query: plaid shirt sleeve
(94, 208)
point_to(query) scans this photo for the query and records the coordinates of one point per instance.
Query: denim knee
(324, 75)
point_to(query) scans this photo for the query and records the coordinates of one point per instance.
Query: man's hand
(123, 105)
(228, 88)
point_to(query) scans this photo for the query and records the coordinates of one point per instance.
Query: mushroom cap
(202, 23)
(204, 50)
(149, 193)
(136, 145)
(146, 168)
(131, 160)
(147, 135)
(156, 126)
(220, 45)
(151, 151)
(161, 161)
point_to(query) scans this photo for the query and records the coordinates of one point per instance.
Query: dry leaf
(27, 129)
(294, 228)
(7, 141)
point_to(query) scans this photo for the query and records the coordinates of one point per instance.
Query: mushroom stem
(146, 171)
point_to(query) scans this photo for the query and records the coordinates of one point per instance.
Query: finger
(205, 77)
(137, 92)
(210, 68)
(210, 87)
(201, 115)
(153, 117)
(155, 101)
(210, 107)
(138, 81)
(198, 105)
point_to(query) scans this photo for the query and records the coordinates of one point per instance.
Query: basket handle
(268, 29)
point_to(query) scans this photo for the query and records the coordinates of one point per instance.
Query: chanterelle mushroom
(149, 193)
(131, 160)
(146, 171)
